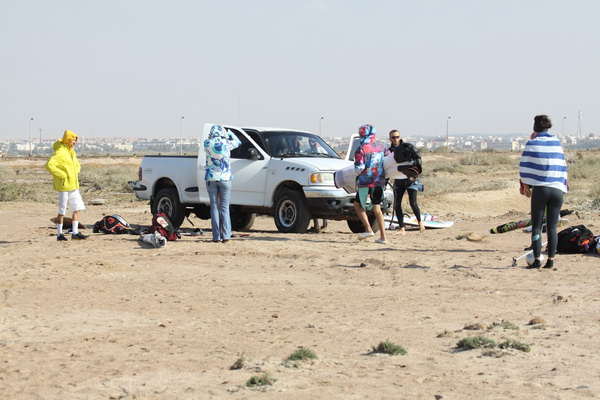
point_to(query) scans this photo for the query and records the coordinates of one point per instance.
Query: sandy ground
(109, 318)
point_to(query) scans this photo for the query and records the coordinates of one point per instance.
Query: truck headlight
(321, 177)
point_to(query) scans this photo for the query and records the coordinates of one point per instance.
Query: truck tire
(167, 200)
(241, 221)
(357, 227)
(291, 212)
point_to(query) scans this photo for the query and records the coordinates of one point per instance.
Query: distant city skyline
(157, 68)
(103, 146)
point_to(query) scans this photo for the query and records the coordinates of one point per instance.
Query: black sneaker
(78, 236)
(549, 264)
(536, 264)
(61, 238)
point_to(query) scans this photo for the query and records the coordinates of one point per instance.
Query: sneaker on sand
(61, 238)
(381, 241)
(365, 235)
(549, 264)
(79, 236)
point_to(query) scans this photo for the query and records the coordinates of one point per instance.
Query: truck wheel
(291, 212)
(241, 221)
(167, 200)
(357, 227)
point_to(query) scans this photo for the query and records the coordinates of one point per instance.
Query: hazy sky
(135, 67)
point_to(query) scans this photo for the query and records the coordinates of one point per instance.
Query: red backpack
(161, 223)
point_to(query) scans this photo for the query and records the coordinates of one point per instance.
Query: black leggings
(412, 200)
(548, 200)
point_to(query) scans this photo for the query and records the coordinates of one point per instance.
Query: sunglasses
(394, 137)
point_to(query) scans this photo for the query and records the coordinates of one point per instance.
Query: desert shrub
(476, 342)
(389, 347)
(7, 172)
(487, 159)
(537, 321)
(261, 380)
(441, 149)
(506, 325)
(584, 167)
(17, 191)
(111, 179)
(302, 354)
(476, 326)
(513, 344)
(450, 167)
(584, 178)
(239, 363)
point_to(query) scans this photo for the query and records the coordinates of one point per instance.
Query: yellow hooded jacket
(63, 164)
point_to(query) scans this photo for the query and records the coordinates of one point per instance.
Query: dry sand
(109, 318)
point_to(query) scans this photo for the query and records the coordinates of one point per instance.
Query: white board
(345, 179)
(390, 167)
(429, 221)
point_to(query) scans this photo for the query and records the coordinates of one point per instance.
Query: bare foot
(400, 231)
(421, 226)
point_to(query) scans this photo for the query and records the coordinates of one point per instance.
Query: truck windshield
(297, 144)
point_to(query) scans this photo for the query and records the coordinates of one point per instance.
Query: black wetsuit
(400, 187)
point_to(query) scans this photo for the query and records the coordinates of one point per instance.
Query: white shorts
(72, 198)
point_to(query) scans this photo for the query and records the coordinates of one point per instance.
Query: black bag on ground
(575, 239)
(114, 224)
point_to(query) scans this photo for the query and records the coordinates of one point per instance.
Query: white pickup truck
(275, 172)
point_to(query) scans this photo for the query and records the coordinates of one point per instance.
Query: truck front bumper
(329, 201)
(333, 202)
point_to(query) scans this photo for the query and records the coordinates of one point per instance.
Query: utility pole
(180, 142)
(30, 140)
(447, 137)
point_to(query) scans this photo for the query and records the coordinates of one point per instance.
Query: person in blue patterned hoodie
(218, 179)
(543, 173)
(368, 164)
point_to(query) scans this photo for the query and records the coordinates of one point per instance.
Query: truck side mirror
(252, 154)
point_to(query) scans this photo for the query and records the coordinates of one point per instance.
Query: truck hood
(321, 164)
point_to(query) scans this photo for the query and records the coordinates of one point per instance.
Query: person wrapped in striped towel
(543, 173)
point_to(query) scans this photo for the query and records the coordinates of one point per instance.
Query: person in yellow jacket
(64, 167)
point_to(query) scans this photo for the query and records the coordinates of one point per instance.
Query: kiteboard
(345, 179)
(390, 167)
(429, 221)
(526, 223)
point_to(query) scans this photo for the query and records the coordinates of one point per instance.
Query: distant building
(502, 145)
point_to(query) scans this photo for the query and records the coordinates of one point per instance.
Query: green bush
(476, 342)
(302, 354)
(506, 325)
(391, 348)
(513, 344)
(261, 380)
